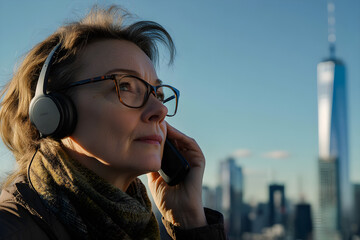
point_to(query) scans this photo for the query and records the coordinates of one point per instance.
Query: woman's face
(123, 140)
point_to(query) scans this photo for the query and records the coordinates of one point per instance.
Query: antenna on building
(331, 27)
(301, 191)
(271, 176)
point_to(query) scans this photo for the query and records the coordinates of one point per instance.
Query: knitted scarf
(87, 205)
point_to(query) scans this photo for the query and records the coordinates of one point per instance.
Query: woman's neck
(116, 177)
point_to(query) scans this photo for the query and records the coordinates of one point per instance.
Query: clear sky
(246, 71)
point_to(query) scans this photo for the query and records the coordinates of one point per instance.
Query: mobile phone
(174, 166)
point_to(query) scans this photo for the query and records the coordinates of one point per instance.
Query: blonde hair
(18, 134)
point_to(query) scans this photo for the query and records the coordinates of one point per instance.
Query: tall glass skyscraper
(335, 188)
(231, 179)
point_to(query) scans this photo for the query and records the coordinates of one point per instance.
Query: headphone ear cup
(53, 115)
(44, 114)
(68, 115)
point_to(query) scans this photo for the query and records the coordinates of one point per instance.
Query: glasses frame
(150, 88)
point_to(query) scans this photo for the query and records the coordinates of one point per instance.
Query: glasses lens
(132, 91)
(168, 97)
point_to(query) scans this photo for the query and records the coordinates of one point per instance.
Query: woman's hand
(181, 204)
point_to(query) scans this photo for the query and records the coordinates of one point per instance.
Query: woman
(79, 161)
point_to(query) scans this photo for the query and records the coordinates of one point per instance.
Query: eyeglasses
(134, 92)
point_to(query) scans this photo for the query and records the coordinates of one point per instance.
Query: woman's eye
(125, 87)
(160, 96)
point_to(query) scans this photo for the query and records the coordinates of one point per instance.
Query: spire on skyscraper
(331, 28)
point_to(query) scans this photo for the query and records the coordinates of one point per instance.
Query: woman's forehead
(105, 56)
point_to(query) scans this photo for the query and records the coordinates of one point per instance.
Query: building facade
(335, 200)
(277, 205)
(303, 222)
(231, 196)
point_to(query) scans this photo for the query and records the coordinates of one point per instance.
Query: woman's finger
(180, 140)
(173, 133)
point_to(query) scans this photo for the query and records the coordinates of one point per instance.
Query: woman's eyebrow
(131, 72)
(128, 71)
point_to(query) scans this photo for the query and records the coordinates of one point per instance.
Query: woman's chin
(155, 167)
(151, 163)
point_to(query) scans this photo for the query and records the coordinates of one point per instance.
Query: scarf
(87, 205)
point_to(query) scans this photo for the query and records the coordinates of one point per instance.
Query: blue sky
(246, 71)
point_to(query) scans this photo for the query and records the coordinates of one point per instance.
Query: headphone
(53, 114)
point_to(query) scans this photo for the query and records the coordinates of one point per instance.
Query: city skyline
(276, 218)
(247, 76)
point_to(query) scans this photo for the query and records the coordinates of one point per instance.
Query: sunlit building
(334, 185)
(231, 196)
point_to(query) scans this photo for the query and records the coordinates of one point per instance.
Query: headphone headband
(45, 70)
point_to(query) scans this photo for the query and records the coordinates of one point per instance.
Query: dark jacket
(23, 216)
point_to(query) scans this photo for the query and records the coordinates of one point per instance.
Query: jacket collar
(21, 194)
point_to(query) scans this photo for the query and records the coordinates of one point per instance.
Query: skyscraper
(335, 188)
(231, 180)
(357, 208)
(303, 222)
(277, 205)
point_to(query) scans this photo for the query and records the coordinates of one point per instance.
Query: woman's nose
(154, 110)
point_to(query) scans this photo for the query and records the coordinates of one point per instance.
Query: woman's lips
(151, 139)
